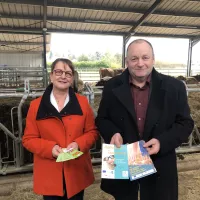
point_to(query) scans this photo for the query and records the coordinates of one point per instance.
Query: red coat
(45, 127)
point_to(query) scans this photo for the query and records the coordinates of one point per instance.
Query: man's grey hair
(140, 41)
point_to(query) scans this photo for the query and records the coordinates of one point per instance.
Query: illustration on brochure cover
(139, 161)
(114, 162)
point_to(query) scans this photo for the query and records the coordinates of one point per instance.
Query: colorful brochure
(68, 155)
(114, 162)
(139, 161)
(130, 161)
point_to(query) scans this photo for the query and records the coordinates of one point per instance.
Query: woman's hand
(56, 151)
(73, 145)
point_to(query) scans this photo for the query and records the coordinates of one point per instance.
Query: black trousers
(150, 188)
(131, 195)
(78, 196)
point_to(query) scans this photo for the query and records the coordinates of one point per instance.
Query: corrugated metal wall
(20, 60)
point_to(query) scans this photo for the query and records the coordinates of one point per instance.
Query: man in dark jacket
(144, 104)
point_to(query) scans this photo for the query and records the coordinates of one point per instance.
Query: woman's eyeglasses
(59, 72)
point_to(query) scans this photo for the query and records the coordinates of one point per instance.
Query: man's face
(140, 60)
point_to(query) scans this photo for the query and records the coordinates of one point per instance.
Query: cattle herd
(108, 73)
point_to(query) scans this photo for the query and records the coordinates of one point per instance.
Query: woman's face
(61, 77)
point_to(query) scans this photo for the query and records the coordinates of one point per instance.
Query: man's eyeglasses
(59, 72)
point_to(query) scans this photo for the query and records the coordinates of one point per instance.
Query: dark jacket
(168, 120)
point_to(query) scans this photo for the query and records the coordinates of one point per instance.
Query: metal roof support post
(195, 41)
(153, 7)
(123, 51)
(189, 63)
(45, 73)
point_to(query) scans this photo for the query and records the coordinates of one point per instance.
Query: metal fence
(14, 77)
(14, 154)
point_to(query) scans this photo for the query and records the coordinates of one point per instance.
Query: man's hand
(152, 146)
(73, 145)
(56, 151)
(117, 140)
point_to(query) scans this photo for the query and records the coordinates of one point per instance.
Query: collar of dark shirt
(146, 84)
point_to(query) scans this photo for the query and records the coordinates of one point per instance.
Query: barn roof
(23, 22)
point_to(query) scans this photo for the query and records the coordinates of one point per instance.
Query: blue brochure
(139, 161)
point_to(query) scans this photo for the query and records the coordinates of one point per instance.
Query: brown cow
(110, 72)
(118, 71)
(103, 81)
(188, 80)
(191, 80)
(197, 77)
(181, 78)
(106, 72)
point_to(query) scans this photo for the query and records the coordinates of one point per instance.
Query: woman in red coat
(60, 119)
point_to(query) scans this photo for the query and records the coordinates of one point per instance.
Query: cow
(118, 71)
(197, 77)
(103, 81)
(188, 80)
(106, 72)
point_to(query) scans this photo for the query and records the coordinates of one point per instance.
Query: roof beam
(34, 31)
(102, 32)
(30, 2)
(118, 33)
(5, 43)
(162, 35)
(29, 17)
(129, 10)
(101, 8)
(20, 30)
(37, 31)
(45, 14)
(10, 31)
(180, 26)
(142, 19)
(15, 51)
(125, 23)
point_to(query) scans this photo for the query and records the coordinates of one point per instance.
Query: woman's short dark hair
(64, 60)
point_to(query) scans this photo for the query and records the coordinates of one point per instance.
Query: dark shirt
(140, 99)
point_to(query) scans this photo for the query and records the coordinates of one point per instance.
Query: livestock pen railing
(15, 77)
(38, 77)
(14, 155)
